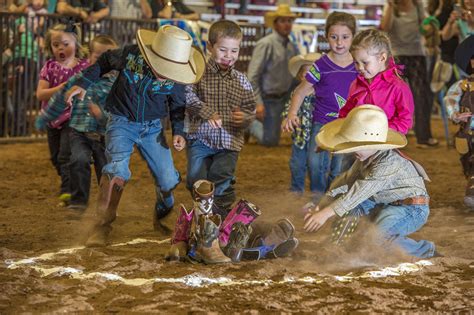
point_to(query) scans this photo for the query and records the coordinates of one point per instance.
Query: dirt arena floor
(45, 269)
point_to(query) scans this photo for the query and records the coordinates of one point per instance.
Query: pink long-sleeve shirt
(387, 91)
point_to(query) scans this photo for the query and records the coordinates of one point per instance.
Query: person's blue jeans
(60, 152)
(215, 165)
(122, 135)
(323, 166)
(272, 120)
(82, 148)
(395, 223)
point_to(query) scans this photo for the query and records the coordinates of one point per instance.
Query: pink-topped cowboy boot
(244, 212)
(180, 237)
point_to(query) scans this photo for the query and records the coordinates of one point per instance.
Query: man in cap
(149, 85)
(269, 74)
(382, 182)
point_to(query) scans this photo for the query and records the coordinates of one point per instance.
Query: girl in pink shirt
(379, 82)
(62, 44)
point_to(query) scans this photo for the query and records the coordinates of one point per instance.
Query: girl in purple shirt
(67, 58)
(329, 79)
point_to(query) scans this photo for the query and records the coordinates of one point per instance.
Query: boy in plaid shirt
(218, 110)
(86, 137)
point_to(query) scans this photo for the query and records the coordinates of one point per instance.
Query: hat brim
(270, 18)
(329, 140)
(295, 64)
(436, 86)
(188, 73)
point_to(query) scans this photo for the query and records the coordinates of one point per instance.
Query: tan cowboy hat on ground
(169, 52)
(283, 10)
(442, 73)
(296, 62)
(364, 128)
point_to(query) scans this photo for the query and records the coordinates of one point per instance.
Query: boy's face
(225, 52)
(339, 39)
(97, 50)
(369, 64)
(363, 155)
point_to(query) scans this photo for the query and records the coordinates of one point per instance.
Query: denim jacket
(137, 94)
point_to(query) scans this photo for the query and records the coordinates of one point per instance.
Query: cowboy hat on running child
(364, 128)
(169, 52)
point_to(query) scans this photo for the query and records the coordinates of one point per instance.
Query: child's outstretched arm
(44, 92)
(196, 108)
(302, 90)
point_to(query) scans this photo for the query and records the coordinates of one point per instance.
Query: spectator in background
(90, 11)
(132, 9)
(269, 74)
(461, 21)
(167, 9)
(402, 20)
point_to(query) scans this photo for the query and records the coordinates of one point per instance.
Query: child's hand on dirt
(290, 123)
(179, 142)
(457, 117)
(73, 91)
(215, 121)
(95, 111)
(315, 219)
(238, 117)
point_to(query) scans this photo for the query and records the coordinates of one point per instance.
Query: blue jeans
(60, 152)
(396, 222)
(122, 135)
(322, 166)
(215, 165)
(272, 120)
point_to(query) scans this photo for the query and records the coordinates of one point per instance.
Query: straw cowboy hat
(364, 128)
(442, 73)
(283, 10)
(296, 62)
(464, 52)
(169, 52)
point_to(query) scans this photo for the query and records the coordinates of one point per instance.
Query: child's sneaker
(65, 198)
(77, 206)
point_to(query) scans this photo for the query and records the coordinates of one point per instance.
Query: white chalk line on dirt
(195, 279)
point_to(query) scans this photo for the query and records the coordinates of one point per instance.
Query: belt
(417, 200)
(275, 95)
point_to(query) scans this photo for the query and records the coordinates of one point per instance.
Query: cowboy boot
(180, 238)
(163, 206)
(238, 239)
(203, 197)
(343, 228)
(244, 212)
(207, 244)
(110, 192)
(279, 242)
(469, 195)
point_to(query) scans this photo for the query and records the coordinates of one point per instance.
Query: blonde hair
(341, 18)
(374, 41)
(103, 40)
(224, 28)
(81, 51)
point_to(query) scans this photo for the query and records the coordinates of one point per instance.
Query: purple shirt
(55, 74)
(331, 86)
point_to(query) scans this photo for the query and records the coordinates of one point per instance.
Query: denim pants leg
(298, 167)
(217, 166)
(396, 222)
(318, 164)
(54, 137)
(272, 120)
(81, 152)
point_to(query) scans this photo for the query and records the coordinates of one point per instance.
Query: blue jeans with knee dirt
(215, 165)
(395, 223)
(122, 135)
(321, 167)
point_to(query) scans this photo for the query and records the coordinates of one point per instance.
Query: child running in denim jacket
(149, 87)
(329, 79)
(62, 43)
(379, 82)
(87, 134)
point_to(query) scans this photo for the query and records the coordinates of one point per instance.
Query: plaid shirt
(385, 177)
(81, 119)
(219, 92)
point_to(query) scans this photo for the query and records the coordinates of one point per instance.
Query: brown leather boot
(110, 192)
(208, 249)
